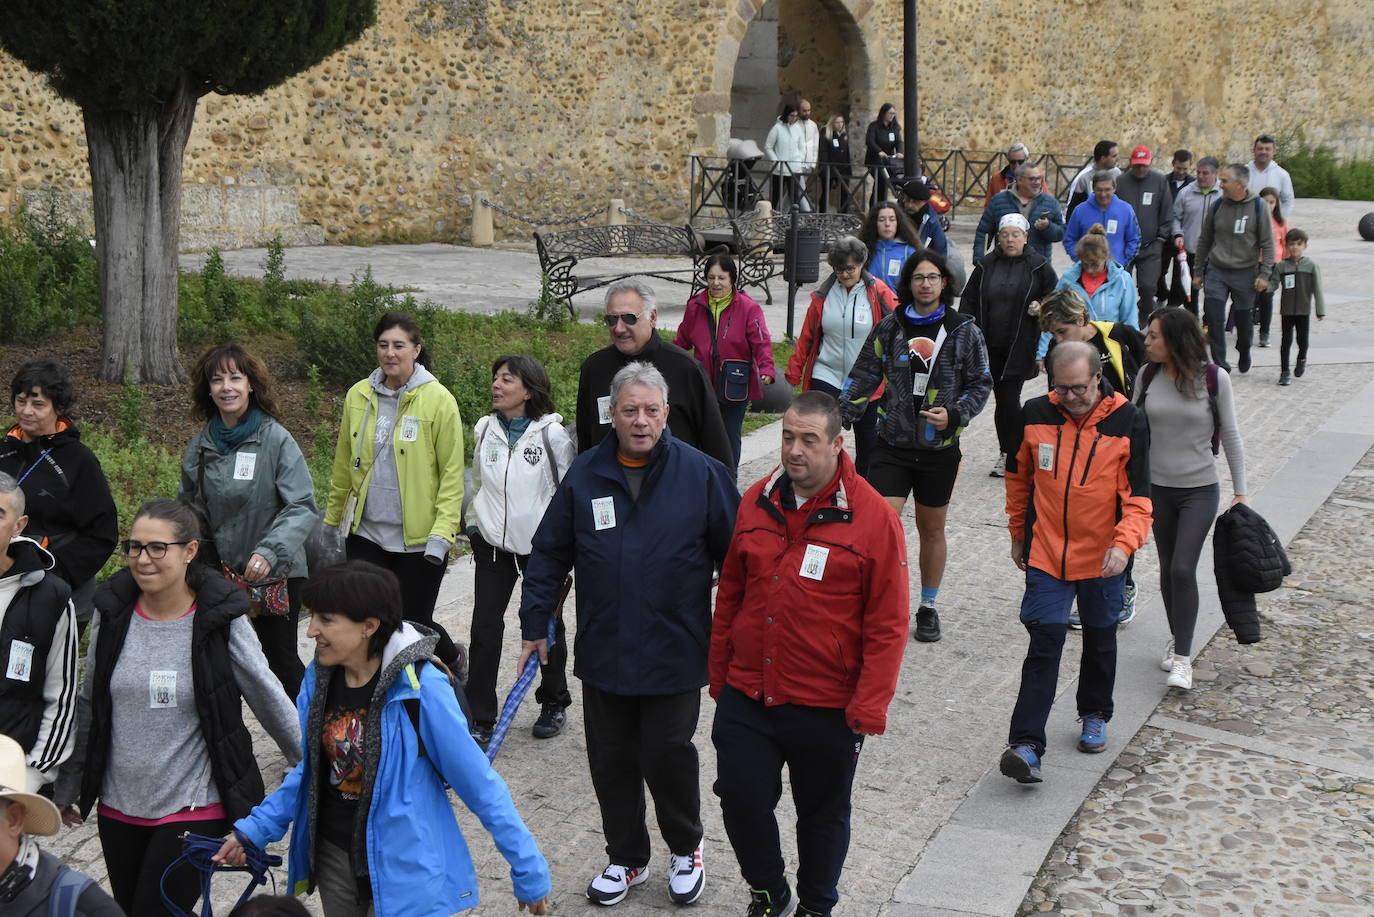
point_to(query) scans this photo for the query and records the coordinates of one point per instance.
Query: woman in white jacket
(786, 147)
(522, 453)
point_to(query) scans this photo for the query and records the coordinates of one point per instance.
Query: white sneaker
(1182, 674)
(615, 883)
(686, 877)
(1167, 663)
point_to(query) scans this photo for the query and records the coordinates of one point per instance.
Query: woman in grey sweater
(1186, 413)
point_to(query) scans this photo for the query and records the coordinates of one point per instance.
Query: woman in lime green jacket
(398, 471)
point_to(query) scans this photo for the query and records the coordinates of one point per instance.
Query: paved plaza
(1250, 794)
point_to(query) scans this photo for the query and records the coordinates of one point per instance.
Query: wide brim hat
(40, 815)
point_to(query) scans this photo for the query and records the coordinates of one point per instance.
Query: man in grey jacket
(1190, 205)
(1235, 252)
(1148, 193)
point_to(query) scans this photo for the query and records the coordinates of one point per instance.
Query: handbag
(732, 376)
(266, 596)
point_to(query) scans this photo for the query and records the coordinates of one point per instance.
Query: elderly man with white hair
(1028, 197)
(1017, 156)
(632, 320)
(34, 883)
(644, 521)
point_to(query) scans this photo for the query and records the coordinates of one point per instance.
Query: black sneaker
(804, 911)
(1243, 364)
(927, 625)
(481, 735)
(762, 904)
(1299, 368)
(1264, 340)
(1285, 379)
(550, 722)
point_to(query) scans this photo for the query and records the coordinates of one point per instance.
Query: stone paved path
(948, 721)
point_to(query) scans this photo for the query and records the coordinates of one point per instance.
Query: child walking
(1297, 282)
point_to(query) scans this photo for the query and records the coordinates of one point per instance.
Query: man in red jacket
(811, 619)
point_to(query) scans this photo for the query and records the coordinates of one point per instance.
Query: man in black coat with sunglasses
(694, 416)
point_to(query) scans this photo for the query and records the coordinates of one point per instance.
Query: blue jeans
(1217, 285)
(1045, 614)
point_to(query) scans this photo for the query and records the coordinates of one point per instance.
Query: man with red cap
(1150, 196)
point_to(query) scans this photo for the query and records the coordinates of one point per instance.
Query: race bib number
(894, 266)
(835, 142)
(603, 513)
(891, 137)
(162, 689)
(1239, 227)
(919, 381)
(813, 563)
(861, 316)
(1046, 460)
(1146, 197)
(409, 430)
(1111, 227)
(20, 667)
(244, 463)
(493, 453)
(1290, 281)
(603, 409)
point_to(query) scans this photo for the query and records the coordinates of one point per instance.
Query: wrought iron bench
(561, 252)
(757, 239)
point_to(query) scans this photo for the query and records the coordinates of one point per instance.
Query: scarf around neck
(227, 439)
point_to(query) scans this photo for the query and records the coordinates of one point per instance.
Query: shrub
(48, 280)
(136, 471)
(1316, 172)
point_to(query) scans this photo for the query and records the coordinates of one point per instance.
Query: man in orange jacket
(811, 619)
(1078, 506)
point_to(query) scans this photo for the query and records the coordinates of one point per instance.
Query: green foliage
(126, 55)
(137, 471)
(130, 409)
(274, 293)
(314, 391)
(48, 277)
(221, 296)
(1316, 172)
(546, 308)
(334, 328)
(320, 461)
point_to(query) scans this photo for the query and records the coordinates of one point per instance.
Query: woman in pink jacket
(724, 327)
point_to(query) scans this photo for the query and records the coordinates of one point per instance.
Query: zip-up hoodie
(889, 255)
(997, 295)
(1298, 295)
(801, 366)
(405, 839)
(517, 479)
(427, 451)
(1190, 206)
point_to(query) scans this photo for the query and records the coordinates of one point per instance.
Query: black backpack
(1152, 369)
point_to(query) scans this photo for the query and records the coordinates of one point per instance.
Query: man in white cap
(34, 883)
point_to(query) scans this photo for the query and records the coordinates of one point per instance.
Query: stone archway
(822, 49)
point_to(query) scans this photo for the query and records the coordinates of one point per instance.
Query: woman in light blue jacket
(1104, 285)
(382, 733)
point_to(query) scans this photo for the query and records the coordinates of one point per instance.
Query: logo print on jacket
(533, 454)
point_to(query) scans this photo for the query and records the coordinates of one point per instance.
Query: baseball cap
(1141, 155)
(916, 190)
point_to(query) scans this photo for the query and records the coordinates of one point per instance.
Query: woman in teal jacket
(381, 735)
(1102, 283)
(248, 476)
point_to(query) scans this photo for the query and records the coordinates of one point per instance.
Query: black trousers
(420, 582)
(1293, 325)
(637, 740)
(753, 742)
(277, 634)
(865, 429)
(1006, 393)
(136, 856)
(496, 575)
(1146, 268)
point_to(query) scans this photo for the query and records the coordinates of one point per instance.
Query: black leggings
(277, 634)
(1183, 518)
(136, 856)
(420, 582)
(1006, 394)
(1291, 324)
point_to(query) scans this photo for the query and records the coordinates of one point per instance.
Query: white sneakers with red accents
(615, 883)
(686, 877)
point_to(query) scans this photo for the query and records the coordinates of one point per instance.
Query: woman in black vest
(172, 656)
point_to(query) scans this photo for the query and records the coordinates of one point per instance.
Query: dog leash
(199, 852)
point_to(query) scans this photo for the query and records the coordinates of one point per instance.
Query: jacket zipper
(1068, 486)
(1089, 463)
(505, 495)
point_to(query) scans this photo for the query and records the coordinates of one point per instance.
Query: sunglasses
(629, 318)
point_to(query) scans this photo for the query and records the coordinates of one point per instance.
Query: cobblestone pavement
(1254, 792)
(948, 721)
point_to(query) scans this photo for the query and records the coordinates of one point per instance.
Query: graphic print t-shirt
(920, 342)
(341, 761)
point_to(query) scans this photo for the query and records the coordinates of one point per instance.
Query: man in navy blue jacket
(643, 521)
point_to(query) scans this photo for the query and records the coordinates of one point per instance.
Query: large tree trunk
(135, 160)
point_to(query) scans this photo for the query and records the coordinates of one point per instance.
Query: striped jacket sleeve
(57, 731)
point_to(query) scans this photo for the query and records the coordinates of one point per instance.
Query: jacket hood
(31, 561)
(419, 377)
(411, 643)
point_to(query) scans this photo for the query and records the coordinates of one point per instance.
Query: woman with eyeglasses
(162, 743)
(246, 473)
(397, 485)
(724, 328)
(841, 315)
(1190, 406)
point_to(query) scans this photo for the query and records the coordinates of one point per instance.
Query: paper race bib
(891, 137)
(20, 667)
(162, 689)
(493, 455)
(862, 316)
(1290, 281)
(835, 141)
(894, 266)
(409, 430)
(1146, 197)
(1046, 459)
(1239, 227)
(603, 409)
(603, 513)
(1111, 227)
(919, 381)
(244, 463)
(813, 563)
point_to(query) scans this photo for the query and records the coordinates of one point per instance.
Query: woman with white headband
(1003, 295)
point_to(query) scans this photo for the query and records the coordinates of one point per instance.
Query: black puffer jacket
(1247, 558)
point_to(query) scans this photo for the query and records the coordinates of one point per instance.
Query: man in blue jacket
(643, 521)
(1028, 197)
(1116, 217)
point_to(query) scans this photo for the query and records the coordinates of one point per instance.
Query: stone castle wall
(551, 107)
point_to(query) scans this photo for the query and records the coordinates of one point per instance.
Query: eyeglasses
(1078, 391)
(156, 549)
(926, 278)
(629, 318)
(849, 269)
